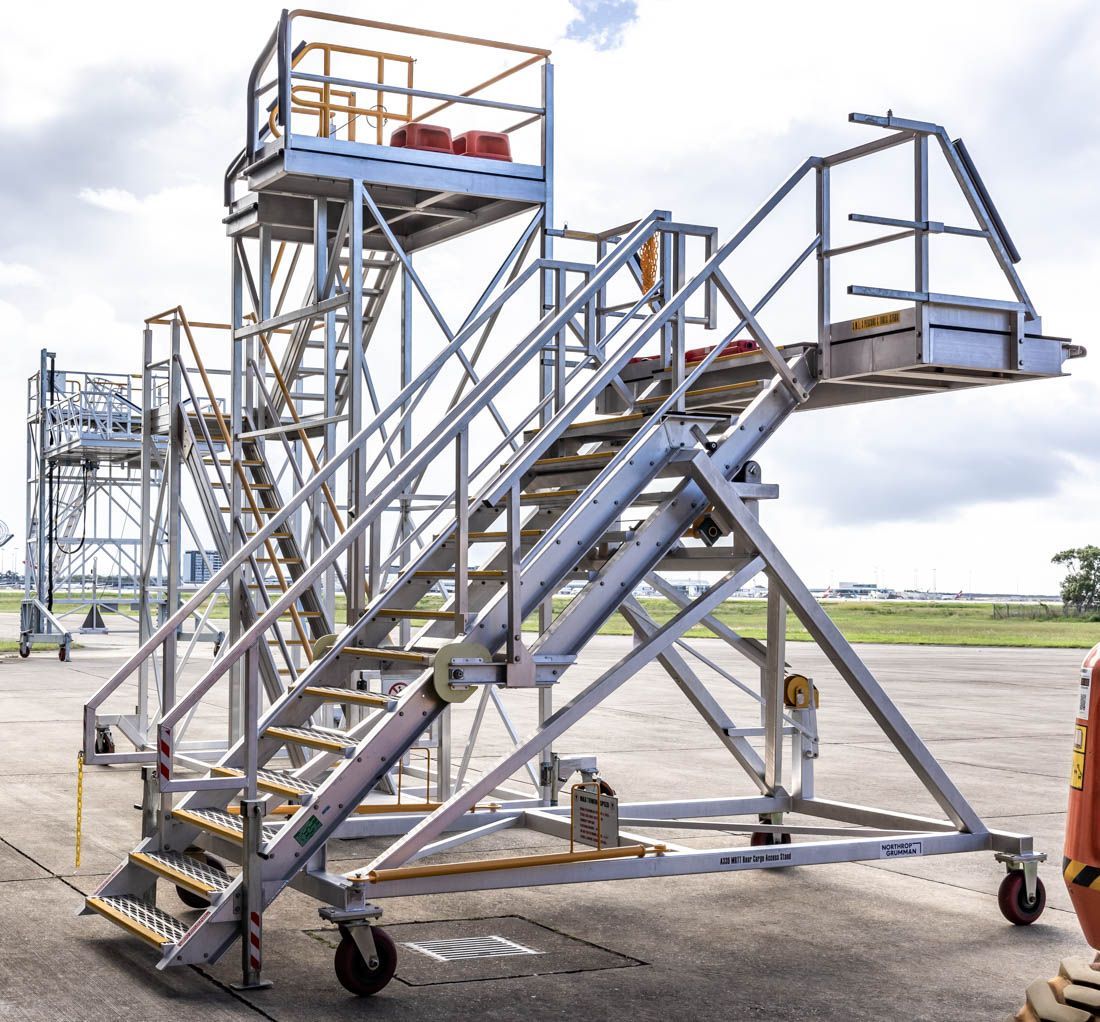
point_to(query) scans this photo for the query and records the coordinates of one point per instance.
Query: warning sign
(1077, 767)
(594, 818)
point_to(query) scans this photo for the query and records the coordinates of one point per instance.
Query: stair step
(547, 496)
(139, 917)
(334, 694)
(572, 462)
(274, 535)
(185, 871)
(486, 537)
(219, 822)
(612, 425)
(480, 573)
(279, 560)
(251, 462)
(707, 392)
(275, 782)
(412, 614)
(325, 739)
(404, 656)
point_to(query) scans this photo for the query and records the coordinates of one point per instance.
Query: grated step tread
(143, 920)
(186, 870)
(323, 738)
(221, 822)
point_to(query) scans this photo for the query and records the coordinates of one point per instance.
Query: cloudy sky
(118, 120)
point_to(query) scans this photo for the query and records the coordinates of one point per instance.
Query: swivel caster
(63, 654)
(355, 974)
(190, 898)
(1013, 900)
(104, 740)
(24, 649)
(767, 838)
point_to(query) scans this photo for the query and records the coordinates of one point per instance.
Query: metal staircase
(593, 447)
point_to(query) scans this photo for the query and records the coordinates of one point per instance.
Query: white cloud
(19, 275)
(117, 200)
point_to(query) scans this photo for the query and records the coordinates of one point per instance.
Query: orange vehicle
(1081, 864)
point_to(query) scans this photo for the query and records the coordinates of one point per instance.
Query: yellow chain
(79, 803)
(647, 256)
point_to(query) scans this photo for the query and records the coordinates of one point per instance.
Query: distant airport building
(195, 569)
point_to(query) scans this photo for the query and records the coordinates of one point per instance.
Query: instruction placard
(594, 818)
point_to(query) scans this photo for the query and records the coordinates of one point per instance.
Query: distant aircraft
(959, 595)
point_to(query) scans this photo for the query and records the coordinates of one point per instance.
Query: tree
(1081, 586)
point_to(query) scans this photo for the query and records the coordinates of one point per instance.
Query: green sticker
(307, 830)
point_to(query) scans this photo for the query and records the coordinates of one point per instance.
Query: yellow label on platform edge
(870, 322)
(1077, 766)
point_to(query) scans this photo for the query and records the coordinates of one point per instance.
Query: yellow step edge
(529, 494)
(704, 392)
(123, 920)
(279, 560)
(348, 695)
(612, 421)
(378, 653)
(414, 614)
(596, 456)
(177, 876)
(205, 824)
(272, 787)
(314, 742)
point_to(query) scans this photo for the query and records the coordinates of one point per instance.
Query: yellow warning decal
(1077, 767)
(870, 322)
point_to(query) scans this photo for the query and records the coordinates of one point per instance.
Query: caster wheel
(63, 654)
(355, 975)
(104, 741)
(1013, 902)
(190, 898)
(24, 650)
(760, 838)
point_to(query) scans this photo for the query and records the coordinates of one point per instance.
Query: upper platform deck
(331, 101)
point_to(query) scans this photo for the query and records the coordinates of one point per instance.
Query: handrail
(383, 494)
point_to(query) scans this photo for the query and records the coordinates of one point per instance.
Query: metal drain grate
(462, 949)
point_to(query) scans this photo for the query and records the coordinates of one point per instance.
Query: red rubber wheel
(1013, 901)
(767, 838)
(353, 972)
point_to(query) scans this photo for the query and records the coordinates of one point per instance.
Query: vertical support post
(42, 555)
(252, 909)
(145, 527)
(560, 343)
(546, 244)
(357, 483)
(176, 434)
(239, 580)
(461, 599)
(772, 676)
(512, 571)
(824, 274)
(920, 213)
(405, 527)
(679, 327)
(322, 514)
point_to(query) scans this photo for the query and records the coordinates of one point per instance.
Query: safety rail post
(461, 598)
(175, 485)
(252, 908)
(145, 540)
(514, 644)
(822, 214)
(772, 676)
(238, 579)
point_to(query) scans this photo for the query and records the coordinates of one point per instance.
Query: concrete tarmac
(909, 939)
